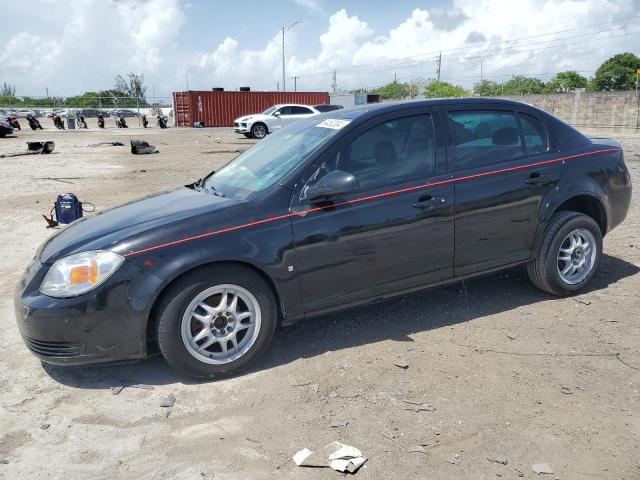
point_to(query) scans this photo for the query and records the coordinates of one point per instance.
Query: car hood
(253, 118)
(117, 229)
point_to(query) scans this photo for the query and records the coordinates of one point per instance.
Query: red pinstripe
(366, 198)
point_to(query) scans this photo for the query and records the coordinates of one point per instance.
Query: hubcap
(576, 256)
(221, 324)
(259, 131)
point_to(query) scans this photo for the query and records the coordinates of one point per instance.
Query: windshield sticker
(333, 123)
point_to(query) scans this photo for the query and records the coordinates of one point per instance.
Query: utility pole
(295, 83)
(186, 74)
(334, 82)
(480, 69)
(284, 30)
(638, 99)
(439, 62)
(47, 90)
(277, 85)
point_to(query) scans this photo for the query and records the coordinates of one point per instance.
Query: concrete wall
(618, 110)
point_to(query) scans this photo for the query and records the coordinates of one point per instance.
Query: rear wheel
(259, 130)
(215, 321)
(569, 254)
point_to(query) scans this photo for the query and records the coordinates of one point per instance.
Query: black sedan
(334, 211)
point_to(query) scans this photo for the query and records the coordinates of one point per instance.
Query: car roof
(292, 105)
(373, 109)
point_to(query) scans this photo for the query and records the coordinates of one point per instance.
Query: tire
(259, 130)
(248, 135)
(546, 271)
(177, 326)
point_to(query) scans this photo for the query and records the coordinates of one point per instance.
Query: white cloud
(82, 45)
(473, 27)
(99, 39)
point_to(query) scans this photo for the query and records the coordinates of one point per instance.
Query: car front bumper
(108, 324)
(241, 127)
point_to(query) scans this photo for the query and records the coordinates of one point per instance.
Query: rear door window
(300, 111)
(483, 137)
(534, 133)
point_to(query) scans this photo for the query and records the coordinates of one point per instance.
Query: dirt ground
(511, 374)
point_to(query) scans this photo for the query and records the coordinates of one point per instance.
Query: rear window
(483, 137)
(535, 135)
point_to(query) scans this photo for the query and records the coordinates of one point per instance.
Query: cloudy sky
(77, 45)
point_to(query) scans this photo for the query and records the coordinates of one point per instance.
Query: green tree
(618, 72)
(443, 90)
(487, 88)
(565, 82)
(7, 90)
(132, 86)
(394, 90)
(521, 85)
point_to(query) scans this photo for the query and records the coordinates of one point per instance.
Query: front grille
(244, 125)
(54, 349)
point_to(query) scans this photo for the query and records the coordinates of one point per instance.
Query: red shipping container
(220, 109)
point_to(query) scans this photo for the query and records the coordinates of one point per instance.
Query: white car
(272, 119)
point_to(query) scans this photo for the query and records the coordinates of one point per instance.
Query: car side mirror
(277, 114)
(333, 183)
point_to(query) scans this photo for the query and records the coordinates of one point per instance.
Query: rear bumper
(105, 325)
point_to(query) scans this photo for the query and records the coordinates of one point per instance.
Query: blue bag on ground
(68, 208)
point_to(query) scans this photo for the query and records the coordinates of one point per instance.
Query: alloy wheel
(576, 256)
(221, 324)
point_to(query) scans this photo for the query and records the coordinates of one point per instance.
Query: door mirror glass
(333, 183)
(277, 114)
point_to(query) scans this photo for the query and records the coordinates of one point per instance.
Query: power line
(462, 50)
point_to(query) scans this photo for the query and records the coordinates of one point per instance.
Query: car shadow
(394, 319)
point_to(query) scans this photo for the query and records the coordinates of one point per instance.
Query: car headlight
(79, 273)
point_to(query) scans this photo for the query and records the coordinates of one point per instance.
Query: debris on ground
(500, 460)
(339, 424)
(335, 455)
(401, 364)
(418, 449)
(45, 426)
(33, 148)
(410, 404)
(116, 390)
(100, 144)
(540, 468)
(565, 390)
(168, 401)
(139, 147)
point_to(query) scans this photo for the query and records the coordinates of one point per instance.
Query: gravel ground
(507, 372)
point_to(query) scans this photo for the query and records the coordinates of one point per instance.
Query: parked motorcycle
(57, 121)
(80, 121)
(34, 123)
(162, 121)
(121, 122)
(13, 120)
(145, 122)
(101, 121)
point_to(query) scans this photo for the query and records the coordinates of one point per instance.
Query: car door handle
(428, 202)
(537, 178)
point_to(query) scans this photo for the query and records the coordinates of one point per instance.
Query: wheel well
(151, 321)
(589, 206)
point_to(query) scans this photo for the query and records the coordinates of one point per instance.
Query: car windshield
(269, 110)
(268, 161)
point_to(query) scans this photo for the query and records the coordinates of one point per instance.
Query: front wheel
(259, 130)
(216, 321)
(569, 254)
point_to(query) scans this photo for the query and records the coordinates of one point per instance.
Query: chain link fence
(89, 105)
